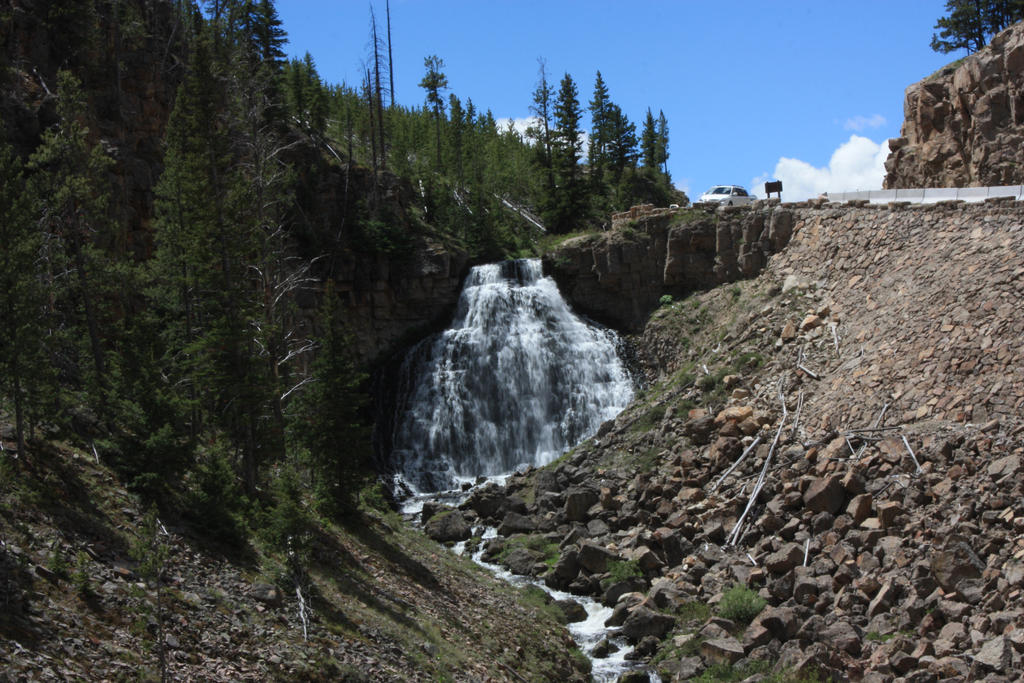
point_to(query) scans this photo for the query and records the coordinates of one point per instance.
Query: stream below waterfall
(516, 381)
(588, 633)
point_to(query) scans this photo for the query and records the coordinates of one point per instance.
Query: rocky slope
(964, 126)
(840, 436)
(383, 602)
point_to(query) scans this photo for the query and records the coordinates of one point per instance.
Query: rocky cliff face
(964, 126)
(619, 276)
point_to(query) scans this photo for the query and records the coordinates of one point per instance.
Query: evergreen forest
(170, 334)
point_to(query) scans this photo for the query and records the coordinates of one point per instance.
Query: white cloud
(858, 164)
(860, 123)
(521, 124)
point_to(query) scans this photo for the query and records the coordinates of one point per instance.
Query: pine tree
(649, 142)
(600, 128)
(542, 108)
(151, 551)
(570, 200)
(70, 175)
(970, 23)
(327, 414)
(23, 368)
(435, 83)
(661, 143)
(622, 153)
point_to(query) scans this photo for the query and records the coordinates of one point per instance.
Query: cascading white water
(516, 380)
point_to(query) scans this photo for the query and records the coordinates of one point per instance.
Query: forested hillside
(177, 193)
(175, 200)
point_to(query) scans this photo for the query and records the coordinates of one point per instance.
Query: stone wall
(964, 126)
(618, 277)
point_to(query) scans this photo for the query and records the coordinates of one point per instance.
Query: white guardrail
(930, 195)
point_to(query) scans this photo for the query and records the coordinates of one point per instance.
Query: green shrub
(622, 570)
(80, 577)
(665, 300)
(740, 604)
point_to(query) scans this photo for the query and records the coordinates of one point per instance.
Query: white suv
(727, 195)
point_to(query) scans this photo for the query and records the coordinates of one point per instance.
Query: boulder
(1011, 464)
(446, 527)
(642, 621)
(699, 430)
(619, 588)
(486, 502)
(843, 636)
(785, 558)
(572, 610)
(825, 495)
(725, 650)
(577, 502)
(956, 562)
(594, 558)
(996, 655)
(266, 593)
(516, 523)
(521, 561)
(780, 621)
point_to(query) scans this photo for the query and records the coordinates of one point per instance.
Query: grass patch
(687, 216)
(547, 549)
(549, 242)
(727, 673)
(693, 612)
(649, 420)
(740, 604)
(621, 570)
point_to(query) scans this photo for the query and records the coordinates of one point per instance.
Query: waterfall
(516, 380)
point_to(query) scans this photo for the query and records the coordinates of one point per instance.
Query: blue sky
(806, 92)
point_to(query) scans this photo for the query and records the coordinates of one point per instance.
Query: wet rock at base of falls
(619, 588)
(565, 570)
(486, 502)
(603, 649)
(446, 527)
(622, 608)
(572, 610)
(521, 561)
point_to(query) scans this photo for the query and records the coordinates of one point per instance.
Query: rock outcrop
(618, 277)
(964, 125)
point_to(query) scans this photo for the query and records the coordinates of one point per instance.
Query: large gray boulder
(447, 527)
(643, 621)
